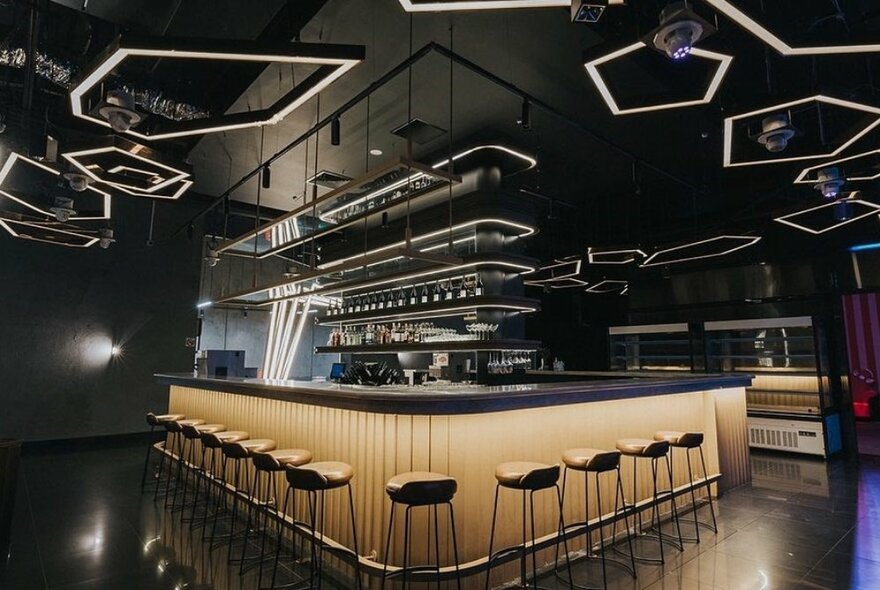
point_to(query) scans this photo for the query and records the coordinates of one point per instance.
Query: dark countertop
(457, 399)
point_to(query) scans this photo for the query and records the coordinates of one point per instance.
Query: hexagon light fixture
(592, 68)
(608, 286)
(754, 27)
(332, 61)
(811, 175)
(618, 256)
(131, 168)
(467, 5)
(562, 273)
(776, 109)
(16, 160)
(701, 249)
(846, 205)
(54, 233)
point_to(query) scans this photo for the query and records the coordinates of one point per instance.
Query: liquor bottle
(462, 290)
(424, 298)
(349, 305)
(471, 285)
(479, 289)
(381, 300)
(449, 290)
(374, 302)
(357, 304)
(401, 297)
(413, 296)
(435, 296)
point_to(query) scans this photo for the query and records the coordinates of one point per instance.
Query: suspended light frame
(853, 199)
(619, 256)
(64, 235)
(608, 286)
(806, 175)
(467, 5)
(745, 242)
(333, 61)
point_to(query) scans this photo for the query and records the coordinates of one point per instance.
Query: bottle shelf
(446, 308)
(452, 346)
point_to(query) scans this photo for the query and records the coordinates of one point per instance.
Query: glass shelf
(379, 190)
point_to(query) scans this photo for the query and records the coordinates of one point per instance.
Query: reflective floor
(81, 522)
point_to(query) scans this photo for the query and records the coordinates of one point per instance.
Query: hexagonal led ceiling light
(858, 209)
(710, 248)
(57, 234)
(18, 164)
(854, 172)
(332, 62)
(456, 5)
(754, 27)
(592, 67)
(780, 108)
(620, 256)
(607, 286)
(563, 273)
(131, 168)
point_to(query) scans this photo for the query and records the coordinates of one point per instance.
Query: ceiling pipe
(404, 66)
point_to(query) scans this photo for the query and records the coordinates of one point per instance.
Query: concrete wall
(63, 309)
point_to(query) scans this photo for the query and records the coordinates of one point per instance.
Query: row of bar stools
(597, 462)
(528, 478)
(237, 452)
(420, 489)
(262, 502)
(642, 449)
(690, 441)
(154, 421)
(316, 479)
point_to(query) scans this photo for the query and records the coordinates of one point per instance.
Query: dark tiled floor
(80, 522)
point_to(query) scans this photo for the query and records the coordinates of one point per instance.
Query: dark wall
(63, 309)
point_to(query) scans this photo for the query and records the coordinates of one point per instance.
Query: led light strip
(524, 229)
(176, 193)
(455, 6)
(447, 312)
(343, 65)
(555, 279)
(728, 129)
(747, 241)
(611, 287)
(723, 60)
(90, 240)
(519, 268)
(802, 177)
(176, 175)
(593, 255)
(786, 218)
(532, 162)
(729, 10)
(7, 169)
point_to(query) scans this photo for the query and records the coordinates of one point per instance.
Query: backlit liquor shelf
(446, 308)
(453, 346)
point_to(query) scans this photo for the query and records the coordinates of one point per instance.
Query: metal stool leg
(492, 537)
(708, 491)
(280, 540)
(357, 561)
(672, 501)
(147, 460)
(454, 546)
(388, 546)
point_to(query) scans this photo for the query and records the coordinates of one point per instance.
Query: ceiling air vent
(420, 132)
(329, 179)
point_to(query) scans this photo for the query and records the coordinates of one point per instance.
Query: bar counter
(465, 431)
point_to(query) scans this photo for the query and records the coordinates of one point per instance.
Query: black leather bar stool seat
(690, 441)
(238, 452)
(154, 421)
(653, 450)
(596, 461)
(175, 429)
(526, 477)
(262, 502)
(316, 479)
(417, 489)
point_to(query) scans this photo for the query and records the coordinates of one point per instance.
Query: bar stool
(597, 462)
(690, 441)
(528, 478)
(414, 489)
(639, 448)
(211, 471)
(237, 452)
(175, 428)
(315, 479)
(153, 421)
(191, 435)
(267, 465)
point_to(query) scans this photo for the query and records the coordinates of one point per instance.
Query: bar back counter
(465, 431)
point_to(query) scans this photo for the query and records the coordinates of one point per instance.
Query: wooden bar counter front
(464, 432)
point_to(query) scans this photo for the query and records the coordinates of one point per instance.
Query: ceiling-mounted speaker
(590, 11)
(267, 177)
(525, 116)
(776, 132)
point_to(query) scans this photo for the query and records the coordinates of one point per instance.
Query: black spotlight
(525, 117)
(843, 210)
(590, 11)
(267, 177)
(335, 131)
